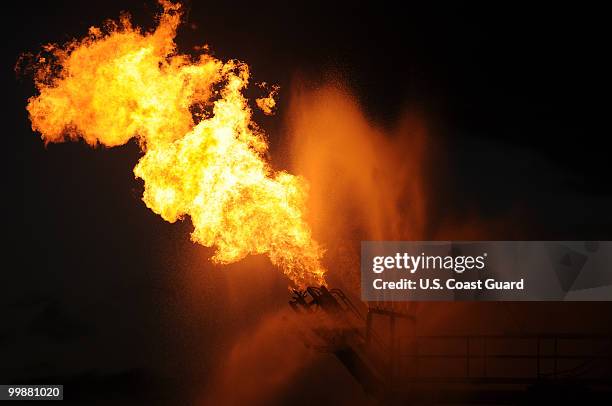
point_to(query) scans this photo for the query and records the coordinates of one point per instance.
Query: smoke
(367, 182)
(262, 362)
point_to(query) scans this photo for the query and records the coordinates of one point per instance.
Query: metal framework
(393, 363)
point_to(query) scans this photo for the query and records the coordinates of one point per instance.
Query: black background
(515, 91)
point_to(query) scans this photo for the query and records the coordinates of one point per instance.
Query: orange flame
(203, 154)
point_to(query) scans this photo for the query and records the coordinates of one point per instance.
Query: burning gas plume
(203, 154)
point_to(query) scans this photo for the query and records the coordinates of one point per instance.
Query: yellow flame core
(110, 87)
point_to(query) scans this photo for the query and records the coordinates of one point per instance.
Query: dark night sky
(513, 93)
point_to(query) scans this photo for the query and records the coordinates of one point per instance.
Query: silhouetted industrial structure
(394, 364)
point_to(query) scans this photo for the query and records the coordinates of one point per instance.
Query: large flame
(203, 154)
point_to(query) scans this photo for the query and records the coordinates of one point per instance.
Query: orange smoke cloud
(203, 154)
(254, 371)
(367, 181)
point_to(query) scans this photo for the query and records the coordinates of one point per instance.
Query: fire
(203, 156)
(267, 104)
